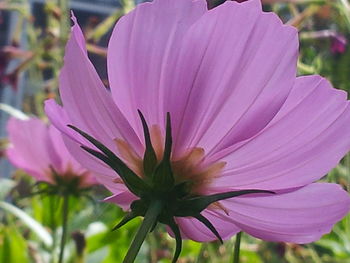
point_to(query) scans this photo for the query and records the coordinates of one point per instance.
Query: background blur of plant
(32, 38)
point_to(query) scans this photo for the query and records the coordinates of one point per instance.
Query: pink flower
(338, 44)
(240, 118)
(39, 150)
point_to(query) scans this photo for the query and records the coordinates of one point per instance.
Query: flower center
(190, 167)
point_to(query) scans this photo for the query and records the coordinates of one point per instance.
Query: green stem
(237, 248)
(64, 226)
(150, 218)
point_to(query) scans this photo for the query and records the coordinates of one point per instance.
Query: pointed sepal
(130, 179)
(128, 217)
(195, 205)
(176, 230)
(133, 182)
(163, 178)
(209, 225)
(150, 157)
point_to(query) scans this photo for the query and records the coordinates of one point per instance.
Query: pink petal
(142, 53)
(60, 155)
(87, 102)
(236, 67)
(300, 216)
(62, 160)
(307, 139)
(103, 173)
(89, 106)
(123, 199)
(193, 229)
(28, 146)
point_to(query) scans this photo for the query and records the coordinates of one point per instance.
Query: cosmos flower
(238, 118)
(39, 150)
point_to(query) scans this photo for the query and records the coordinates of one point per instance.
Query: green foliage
(14, 247)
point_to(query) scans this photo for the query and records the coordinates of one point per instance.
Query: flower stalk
(237, 248)
(149, 220)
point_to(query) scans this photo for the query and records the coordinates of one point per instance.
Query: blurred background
(32, 38)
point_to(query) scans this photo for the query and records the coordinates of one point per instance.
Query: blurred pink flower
(338, 44)
(240, 117)
(39, 150)
(5, 57)
(7, 53)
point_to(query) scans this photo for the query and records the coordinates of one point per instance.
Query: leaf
(13, 247)
(31, 223)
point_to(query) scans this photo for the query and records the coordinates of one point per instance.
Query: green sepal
(175, 228)
(128, 217)
(209, 225)
(168, 139)
(150, 157)
(138, 208)
(163, 178)
(181, 190)
(60, 185)
(193, 206)
(169, 221)
(133, 182)
(130, 179)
